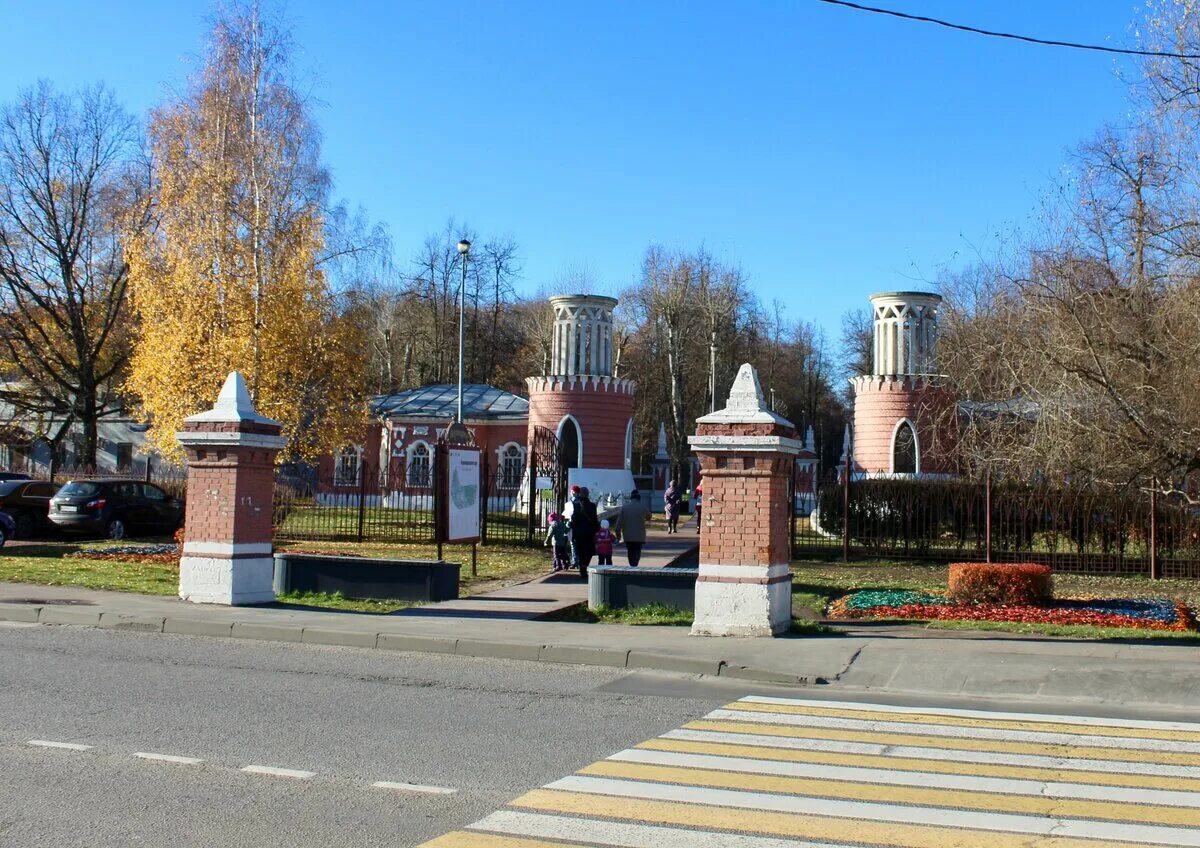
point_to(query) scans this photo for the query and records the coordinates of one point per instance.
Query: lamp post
(464, 247)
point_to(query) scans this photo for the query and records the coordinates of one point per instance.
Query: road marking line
(926, 761)
(168, 758)
(280, 772)
(948, 731)
(467, 839)
(67, 746)
(937, 800)
(801, 826)
(625, 834)
(917, 720)
(984, 714)
(908, 739)
(892, 777)
(414, 787)
(868, 811)
(935, 717)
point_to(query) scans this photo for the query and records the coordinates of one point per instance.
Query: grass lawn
(48, 565)
(815, 584)
(338, 602)
(656, 614)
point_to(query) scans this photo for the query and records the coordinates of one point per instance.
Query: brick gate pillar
(227, 553)
(746, 453)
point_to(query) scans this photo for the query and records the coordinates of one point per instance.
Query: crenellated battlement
(580, 383)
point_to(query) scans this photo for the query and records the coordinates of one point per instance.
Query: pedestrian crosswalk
(773, 772)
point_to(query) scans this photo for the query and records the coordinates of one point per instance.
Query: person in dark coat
(671, 507)
(633, 526)
(583, 530)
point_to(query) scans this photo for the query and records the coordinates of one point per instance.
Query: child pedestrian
(604, 544)
(559, 535)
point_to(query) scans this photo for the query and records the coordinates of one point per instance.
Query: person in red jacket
(604, 544)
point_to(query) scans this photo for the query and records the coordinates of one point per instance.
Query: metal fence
(1072, 529)
(167, 477)
(367, 506)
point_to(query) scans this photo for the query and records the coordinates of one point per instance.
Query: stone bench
(621, 586)
(366, 577)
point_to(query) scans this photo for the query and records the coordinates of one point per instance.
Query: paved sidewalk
(552, 592)
(1100, 675)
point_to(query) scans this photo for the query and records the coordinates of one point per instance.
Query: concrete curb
(330, 636)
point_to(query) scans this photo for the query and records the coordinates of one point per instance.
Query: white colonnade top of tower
(583, 335)
(905, 333)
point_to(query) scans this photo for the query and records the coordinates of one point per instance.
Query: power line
(1048, 42)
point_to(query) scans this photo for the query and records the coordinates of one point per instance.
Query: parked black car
(14, 475)
(28, 504)
(115, 508)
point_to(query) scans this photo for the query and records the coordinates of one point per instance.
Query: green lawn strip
(337, 601)
(655, 614)
(149, 578)
(1074, 631)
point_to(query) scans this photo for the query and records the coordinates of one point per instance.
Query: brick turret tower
(903, 411)
(580, 401)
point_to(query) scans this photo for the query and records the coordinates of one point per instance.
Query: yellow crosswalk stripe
(902, 718)
(758, 752)
(816, 828)
(774, 772)
(474, 839)
(899, 738)
(874, 792)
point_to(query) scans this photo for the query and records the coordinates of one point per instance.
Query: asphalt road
(488, 729)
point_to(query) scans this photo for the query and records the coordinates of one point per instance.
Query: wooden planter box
(365, 577)
(620, 586)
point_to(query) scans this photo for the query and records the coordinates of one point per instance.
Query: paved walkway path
(553, 592)
(766, 771)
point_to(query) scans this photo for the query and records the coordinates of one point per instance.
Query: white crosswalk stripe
(776, 772)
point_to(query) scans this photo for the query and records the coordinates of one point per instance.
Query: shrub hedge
(1021, 584)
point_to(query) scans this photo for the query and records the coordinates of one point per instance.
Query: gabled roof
(440, 400)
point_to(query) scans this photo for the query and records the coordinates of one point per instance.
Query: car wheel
(116, 529)
(25, 525)
(3, 536)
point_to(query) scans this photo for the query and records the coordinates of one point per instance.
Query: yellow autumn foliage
(231, 277)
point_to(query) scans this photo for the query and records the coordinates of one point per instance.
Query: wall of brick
(881, 402)
(602, 410)
(745, 518)
(229, 494)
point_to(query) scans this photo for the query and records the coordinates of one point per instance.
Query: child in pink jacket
(604, 544)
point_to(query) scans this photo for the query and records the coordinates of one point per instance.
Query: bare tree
(73, 185)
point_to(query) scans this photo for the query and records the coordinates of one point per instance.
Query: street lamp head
(464, 247)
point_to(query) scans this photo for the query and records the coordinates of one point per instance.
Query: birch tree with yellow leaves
(233, 276)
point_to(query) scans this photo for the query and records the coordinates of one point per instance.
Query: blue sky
(829, 153)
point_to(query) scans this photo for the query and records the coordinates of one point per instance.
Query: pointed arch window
(904, 449)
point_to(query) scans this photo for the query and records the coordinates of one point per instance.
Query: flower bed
(131, 553)
(1141, 613)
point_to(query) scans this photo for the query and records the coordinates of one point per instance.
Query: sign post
(460, 483)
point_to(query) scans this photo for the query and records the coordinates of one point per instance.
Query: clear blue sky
(830, 153)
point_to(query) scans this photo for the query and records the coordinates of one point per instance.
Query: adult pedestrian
(698, 501)
(583, 531)
(671, 507)
(633, 526)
